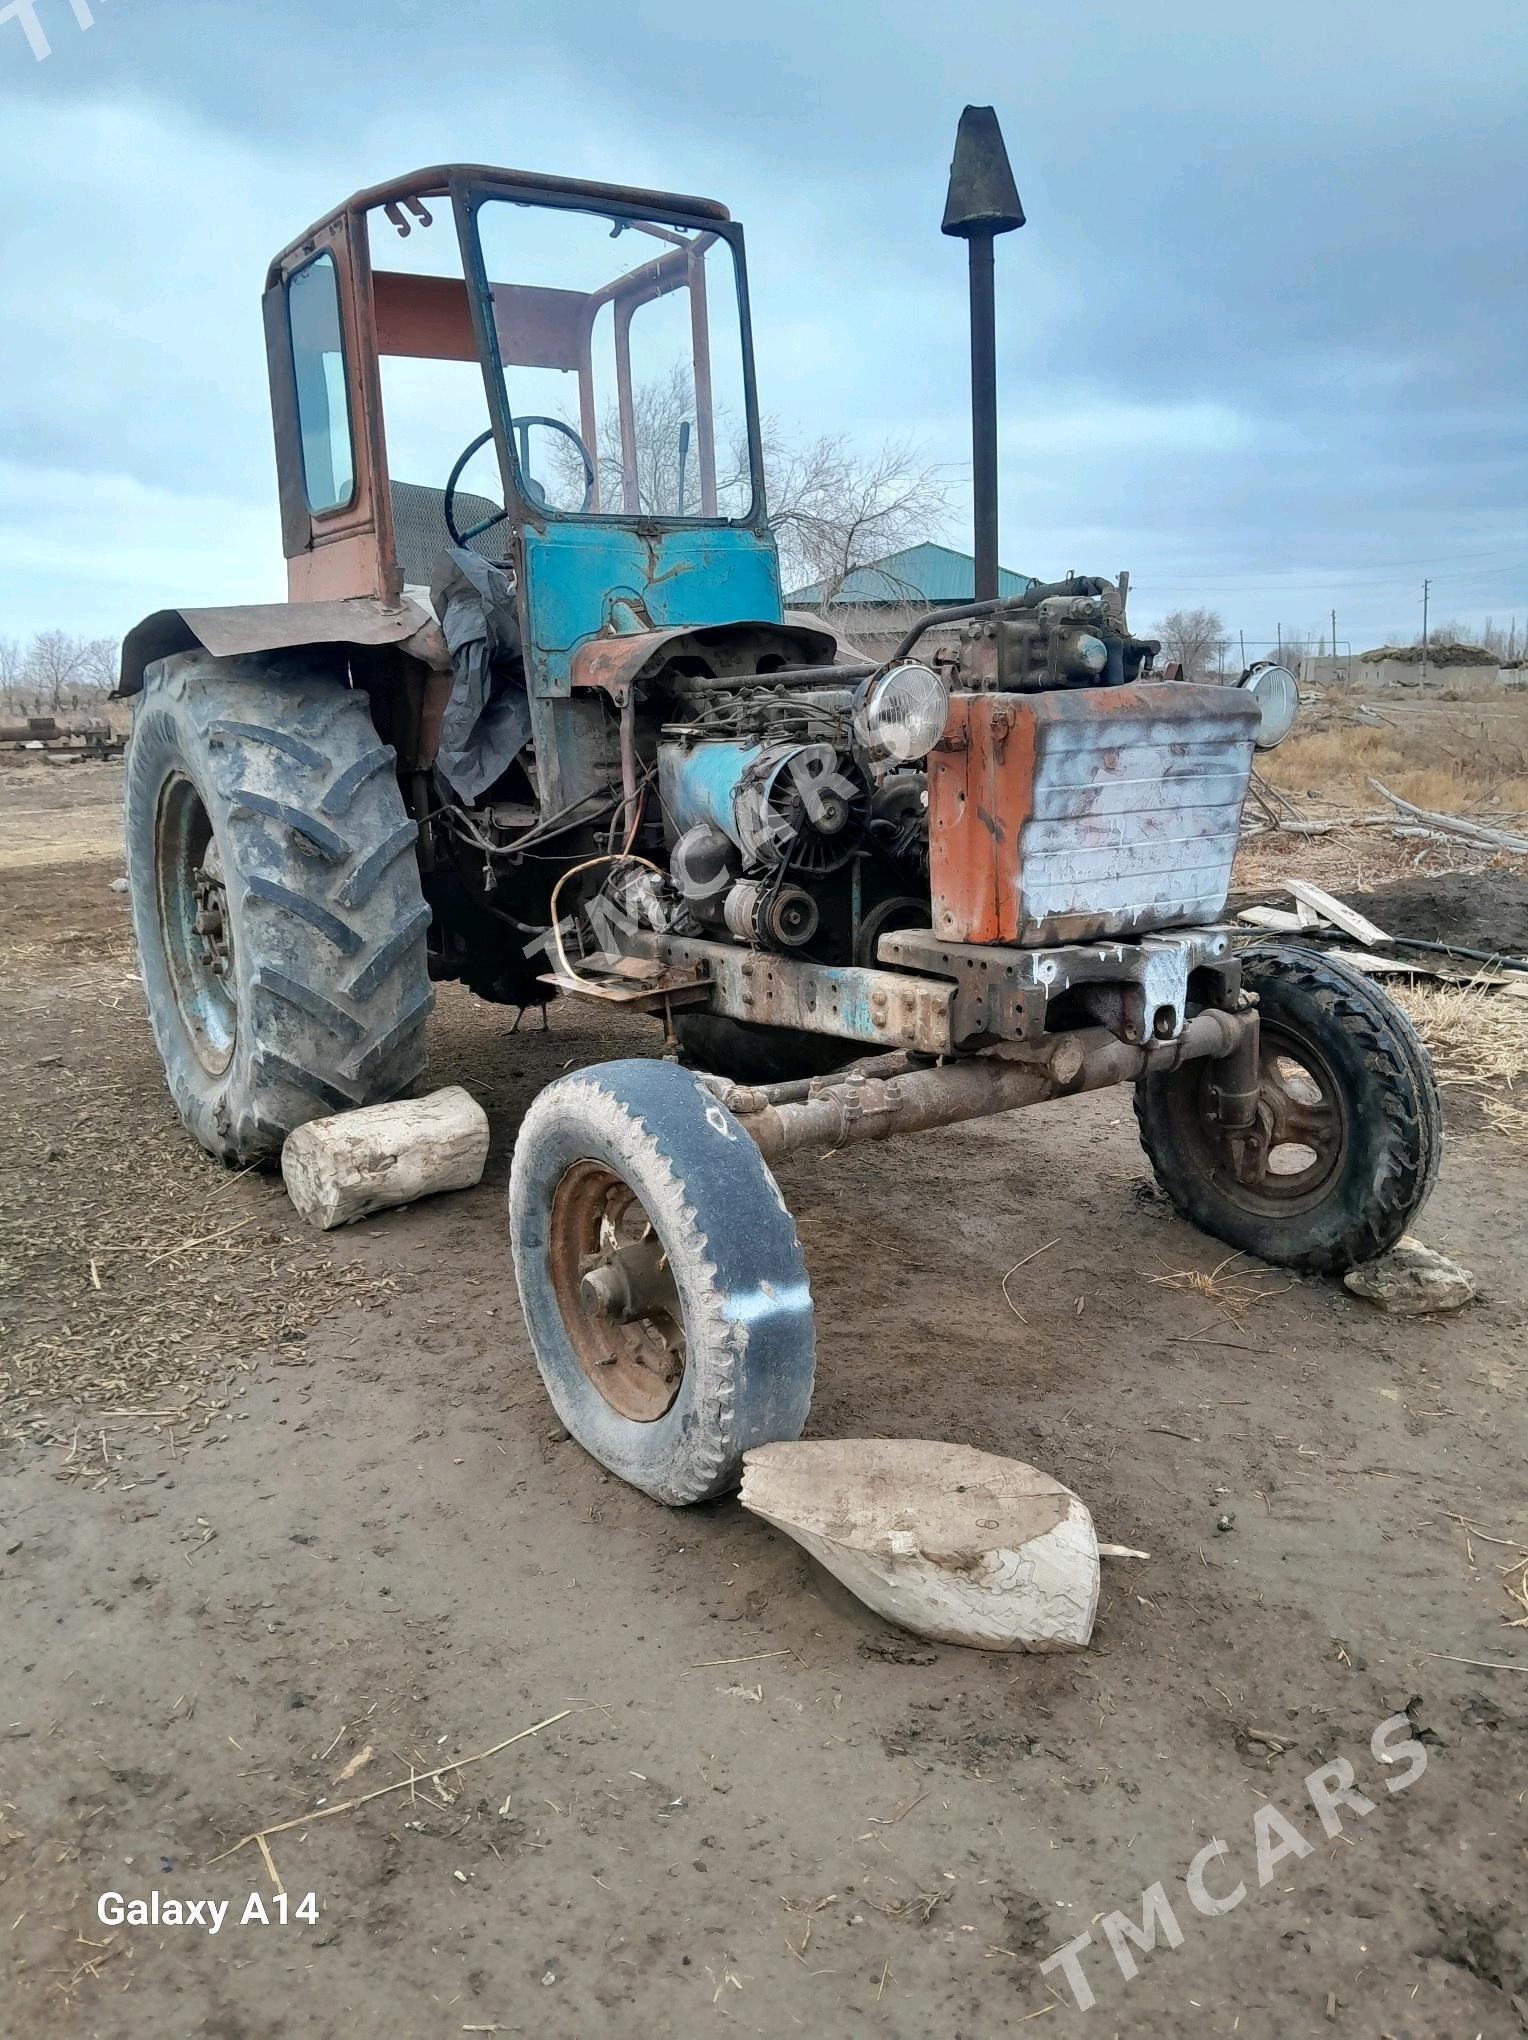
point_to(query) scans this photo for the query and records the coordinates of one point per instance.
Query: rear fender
(361, 621)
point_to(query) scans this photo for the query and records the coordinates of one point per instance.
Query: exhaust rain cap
(982, 198)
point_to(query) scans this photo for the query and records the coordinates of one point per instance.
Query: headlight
(1278, 698)
(900, 714)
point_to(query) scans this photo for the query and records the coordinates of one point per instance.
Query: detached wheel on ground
(660, 1274)
(1349, 1129)
(276, 899)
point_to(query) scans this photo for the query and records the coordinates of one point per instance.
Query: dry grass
(1233, 1291)
(1478, 1040)
(1351, 860)
(1449, 757)
(1481, 692)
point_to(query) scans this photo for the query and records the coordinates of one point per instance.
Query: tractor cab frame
(348, 546)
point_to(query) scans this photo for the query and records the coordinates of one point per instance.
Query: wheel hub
(195, 923)
(211, 919)
(616, 1292)
(1299, 1139)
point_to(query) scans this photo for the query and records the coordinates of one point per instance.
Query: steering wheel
(522, 429)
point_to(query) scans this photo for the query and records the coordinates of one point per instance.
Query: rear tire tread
(329, 920)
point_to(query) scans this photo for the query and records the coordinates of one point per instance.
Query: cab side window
(323, 400)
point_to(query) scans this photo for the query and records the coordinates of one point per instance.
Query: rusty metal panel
(430, 318)
(615, 660)
(274, 626)
(1006, 993)
(880, 1007)
(1086, 812)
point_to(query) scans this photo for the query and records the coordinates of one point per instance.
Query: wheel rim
(194, 923)
(616, 1292)
(1300, 1144)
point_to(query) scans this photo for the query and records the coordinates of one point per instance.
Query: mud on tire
(1374, 1096)
(265, 830)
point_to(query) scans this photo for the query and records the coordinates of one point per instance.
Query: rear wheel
(662, 1282)
(276, 899)
(1349, 1126)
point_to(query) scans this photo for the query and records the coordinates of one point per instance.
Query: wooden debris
(1331, 909)
(954, 1544)
(1378, 966)
(341, 1169)
(1455, 825)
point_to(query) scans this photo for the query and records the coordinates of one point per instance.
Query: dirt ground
(287, 1518)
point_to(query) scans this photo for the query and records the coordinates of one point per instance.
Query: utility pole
(1241, 639)
(981, 203)
(1426, 585)
(1334, 633)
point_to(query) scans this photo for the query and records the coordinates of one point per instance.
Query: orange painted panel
(1086, 812)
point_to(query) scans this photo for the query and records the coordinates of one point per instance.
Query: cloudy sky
(1263, 340)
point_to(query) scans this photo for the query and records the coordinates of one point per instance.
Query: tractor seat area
(420, 535)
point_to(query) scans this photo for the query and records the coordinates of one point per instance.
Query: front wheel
(660, 1275)
(1349, 1125)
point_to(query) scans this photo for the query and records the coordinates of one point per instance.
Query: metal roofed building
(878, 602)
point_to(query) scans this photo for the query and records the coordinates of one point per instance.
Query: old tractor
(533, 717)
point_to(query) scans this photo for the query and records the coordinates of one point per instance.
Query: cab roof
(436, 183)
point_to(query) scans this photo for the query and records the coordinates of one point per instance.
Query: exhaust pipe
(981, 203)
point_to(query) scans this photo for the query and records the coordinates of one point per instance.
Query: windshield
(622, 347)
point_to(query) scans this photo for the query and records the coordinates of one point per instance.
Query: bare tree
(836, 508)
(1293, 646)
(1196, 638)
(1449, 631)
(833, 507)
(12, 667)
(53, 664)
(665, 455)
(99, 664)
(1504, 641)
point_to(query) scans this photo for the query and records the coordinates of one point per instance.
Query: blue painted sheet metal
(699, 783)
(582, 578)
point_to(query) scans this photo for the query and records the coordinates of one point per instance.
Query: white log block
(957, 1545)
(340, 1169)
